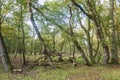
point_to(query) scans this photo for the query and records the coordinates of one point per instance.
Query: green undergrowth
(67, 73)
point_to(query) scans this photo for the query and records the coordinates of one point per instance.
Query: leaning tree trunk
(39, 35)
(76, 43)
(4, 55)
(71, 35)
(87, 32)
(99, 32)
(3, 50)
(114, 51)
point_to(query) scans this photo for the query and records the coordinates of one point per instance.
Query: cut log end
(15, 71)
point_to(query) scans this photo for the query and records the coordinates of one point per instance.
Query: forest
(59, 39)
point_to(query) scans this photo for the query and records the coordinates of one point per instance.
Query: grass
(66, 72)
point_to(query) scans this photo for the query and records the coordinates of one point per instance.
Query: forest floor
(65, 72)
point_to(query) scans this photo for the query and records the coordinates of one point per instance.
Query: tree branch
(49, 19)
(80, 7)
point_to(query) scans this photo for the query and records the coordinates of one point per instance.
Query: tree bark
(99, 31)
(4, 55)
(114, 50)
(23, 35)
(3, 50)
(90, 48)
(54, 44)
(39, 35)
(75, 41)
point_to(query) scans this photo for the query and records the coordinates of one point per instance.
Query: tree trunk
(4, 55)
(71, 35)
(73, 53)
(114, 51)
(39, 35)
(82, 52)
(54, 44)
(99, 32)
(3, 50)
(23, 47)
(101, 38)
(90, 48)
(70, 47)
(23, 36)
(75, 41)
